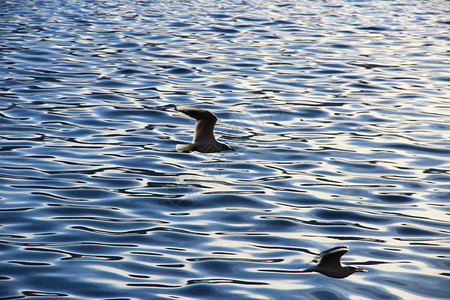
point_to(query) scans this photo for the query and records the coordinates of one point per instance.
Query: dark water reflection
(338, 111)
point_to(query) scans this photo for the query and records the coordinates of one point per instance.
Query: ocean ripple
(338, 111)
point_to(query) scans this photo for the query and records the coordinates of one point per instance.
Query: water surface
(338, 110)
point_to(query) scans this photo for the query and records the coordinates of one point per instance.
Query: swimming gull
(329, 263)
(204, 140)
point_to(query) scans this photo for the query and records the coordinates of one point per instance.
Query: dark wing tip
(331, 256)
(343, 249)
(197, 113)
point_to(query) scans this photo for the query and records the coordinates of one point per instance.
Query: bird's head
(356, 269)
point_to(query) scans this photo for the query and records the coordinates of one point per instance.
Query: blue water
(339, 112)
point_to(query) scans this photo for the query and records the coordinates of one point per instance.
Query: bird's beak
(232, 149)
(360, 270)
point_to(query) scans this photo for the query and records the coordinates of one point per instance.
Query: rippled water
(339, 112)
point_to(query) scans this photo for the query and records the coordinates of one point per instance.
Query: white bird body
(204, 140)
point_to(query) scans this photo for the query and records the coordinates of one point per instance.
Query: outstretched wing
(331, 258)
(204, 128)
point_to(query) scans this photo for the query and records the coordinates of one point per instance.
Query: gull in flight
(204, 140)
(329, 263)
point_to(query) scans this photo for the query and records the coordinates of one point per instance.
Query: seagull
(329, 263)
(204, 140)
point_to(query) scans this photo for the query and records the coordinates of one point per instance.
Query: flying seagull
(204, 140)
(329, 263)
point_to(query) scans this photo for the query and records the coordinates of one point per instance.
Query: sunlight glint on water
(338, 110)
